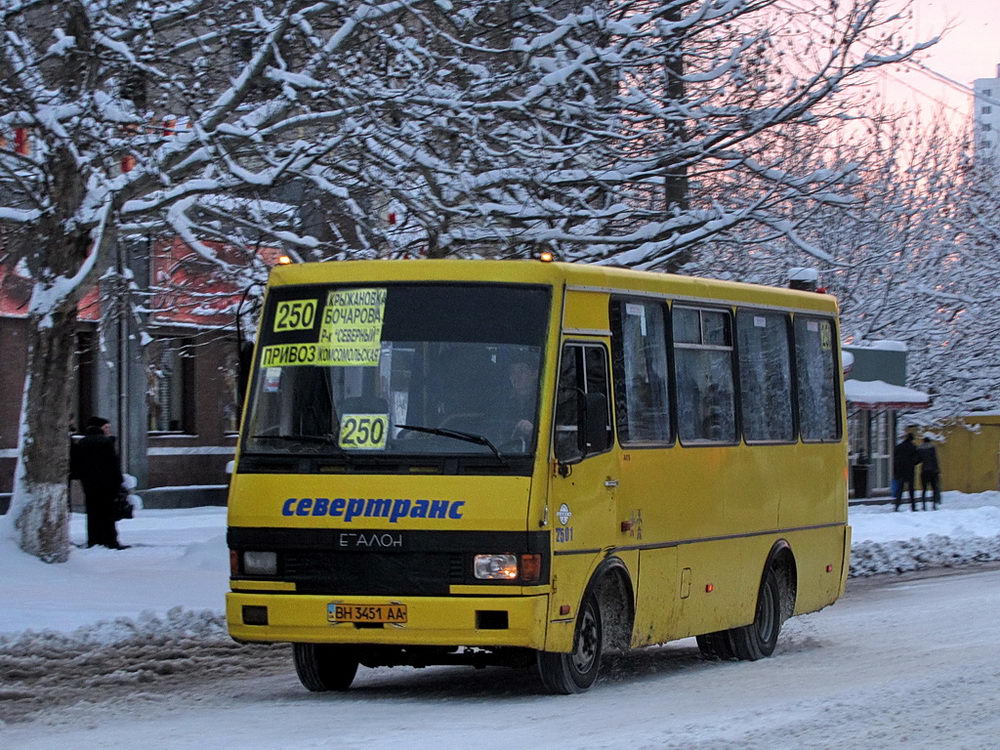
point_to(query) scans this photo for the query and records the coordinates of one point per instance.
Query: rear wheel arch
(781, 559)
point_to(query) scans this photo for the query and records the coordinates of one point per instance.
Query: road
(898, 662)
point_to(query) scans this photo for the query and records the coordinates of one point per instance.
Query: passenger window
(584, 369)
(639, 348)
(816, 378)
(703, 362)
(765, 376)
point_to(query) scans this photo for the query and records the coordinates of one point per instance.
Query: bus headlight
(260, 563)
(495, 567)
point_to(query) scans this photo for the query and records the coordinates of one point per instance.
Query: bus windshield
(398, 369)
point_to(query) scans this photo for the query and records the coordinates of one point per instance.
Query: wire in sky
(917, 67)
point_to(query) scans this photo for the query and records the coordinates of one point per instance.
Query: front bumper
(431, 621)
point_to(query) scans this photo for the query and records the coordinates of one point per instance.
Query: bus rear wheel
(753, 641)
(565, 674)
(322, 667)
(758, 639)
(716, 645)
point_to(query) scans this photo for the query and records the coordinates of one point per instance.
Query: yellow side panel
(723, 508)
(658, 600)
(816, 491)
(815, 550)
(723, 592)
(586, 311)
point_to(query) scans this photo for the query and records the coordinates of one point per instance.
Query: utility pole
(120, 361)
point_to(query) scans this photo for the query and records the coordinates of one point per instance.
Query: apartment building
(986, 114)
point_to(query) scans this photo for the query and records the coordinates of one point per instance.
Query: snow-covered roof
(877, 394)
(803, 274)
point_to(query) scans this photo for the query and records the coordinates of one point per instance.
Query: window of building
(167, 386)
(703, 362)
(765, 376)
(816, 376)
(987, 126)
(987, 92)
(987, 110)
(985, 144)
(639, 349)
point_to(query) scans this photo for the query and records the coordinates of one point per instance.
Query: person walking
(930, 474)
(904, 461)
(94, 461)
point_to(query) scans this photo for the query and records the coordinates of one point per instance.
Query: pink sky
(970, 49)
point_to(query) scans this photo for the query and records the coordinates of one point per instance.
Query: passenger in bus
(905, 458)
(930, 474)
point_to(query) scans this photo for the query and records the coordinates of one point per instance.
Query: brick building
(159, 360)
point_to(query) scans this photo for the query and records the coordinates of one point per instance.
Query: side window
(703, 363)
(584, 369)
(765, 376)
(816, 378)
(639, 348)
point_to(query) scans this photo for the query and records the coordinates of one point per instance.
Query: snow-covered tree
(909, 252)
(625, 131)
(136, 118)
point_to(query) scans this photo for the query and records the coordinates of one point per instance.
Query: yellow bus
(532, 463)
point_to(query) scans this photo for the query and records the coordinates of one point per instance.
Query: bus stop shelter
(872, 416)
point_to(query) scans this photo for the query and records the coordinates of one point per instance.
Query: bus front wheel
(322, 667)
(575, 672)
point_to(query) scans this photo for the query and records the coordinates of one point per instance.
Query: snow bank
(933, 551)
(176, 624)
(966, 529)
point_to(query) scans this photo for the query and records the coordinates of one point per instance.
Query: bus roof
(574, 275)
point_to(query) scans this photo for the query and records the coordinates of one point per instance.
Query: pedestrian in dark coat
(930, 473)
(904, 461)
(94, 461)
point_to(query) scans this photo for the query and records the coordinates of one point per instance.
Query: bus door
(582, 496)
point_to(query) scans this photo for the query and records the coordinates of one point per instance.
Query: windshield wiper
(457, 435)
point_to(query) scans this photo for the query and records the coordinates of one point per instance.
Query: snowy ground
(120, 628)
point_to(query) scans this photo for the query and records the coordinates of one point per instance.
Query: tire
(758, 639)
(565, 674)
(716, 645)
(323, 667)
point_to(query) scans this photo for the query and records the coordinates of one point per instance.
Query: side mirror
(594, 424)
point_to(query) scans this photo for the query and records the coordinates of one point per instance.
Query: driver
(523, 377)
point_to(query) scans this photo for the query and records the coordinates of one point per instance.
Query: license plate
(384, 613)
